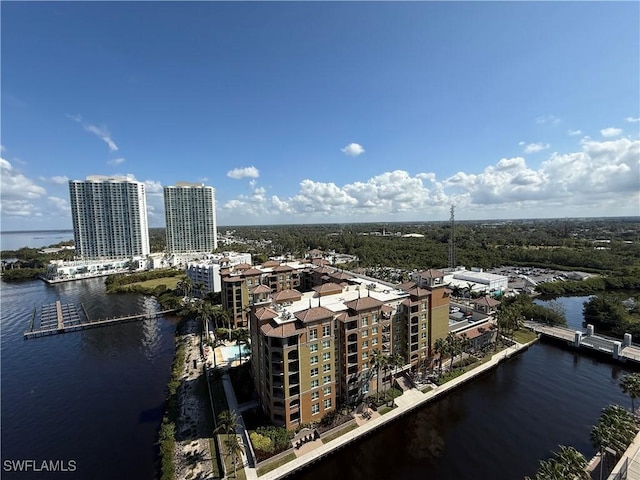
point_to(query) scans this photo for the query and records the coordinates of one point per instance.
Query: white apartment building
(109, 217)
(190, 215)
(206, 273)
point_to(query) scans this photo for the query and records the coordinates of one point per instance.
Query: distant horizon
(324, 112)
(621, 217)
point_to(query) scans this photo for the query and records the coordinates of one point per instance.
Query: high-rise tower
(109, 217)
(190, 215)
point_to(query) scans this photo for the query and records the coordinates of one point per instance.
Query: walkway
(632, 460)
(407, 402)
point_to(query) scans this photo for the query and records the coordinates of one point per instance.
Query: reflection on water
(92, 396)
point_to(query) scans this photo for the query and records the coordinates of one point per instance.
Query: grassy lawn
(335, 435)
(272, 466)
(170, 282)
(524, 336)
(426, 389)
(383, 410)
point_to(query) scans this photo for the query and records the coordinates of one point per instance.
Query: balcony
(352, 325)
(294, 380)
(293, 355)
(353, 337)
(352, 359)
(293, 391)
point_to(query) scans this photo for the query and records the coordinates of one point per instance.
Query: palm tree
(234, 450)
(376, 361)
(386, 366)
(631, 384)
(241, 336)
(616, 429)
(226, 316)
(185, 285)
(440, 347)
(227, 422)
(566, 463)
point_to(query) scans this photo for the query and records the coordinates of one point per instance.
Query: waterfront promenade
(410, 400)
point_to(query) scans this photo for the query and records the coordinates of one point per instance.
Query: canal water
(94, 397)
(496, 427)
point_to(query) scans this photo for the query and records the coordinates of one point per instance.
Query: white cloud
(59, 180)
(574, 133)
(536, 147)
(610, 132)
(100, 132)
(15, 185)
(633, 119)
(353, 150)
(602, 178)
(115, 161)
(243, 172)
(547, 120)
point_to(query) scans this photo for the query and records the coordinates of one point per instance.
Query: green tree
(377, 361)
(440, 347)
(616, 429)
(241, 337)
(630, 384)
(227, 422)
(234, 448)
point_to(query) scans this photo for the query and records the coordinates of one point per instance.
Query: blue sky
(303, 112)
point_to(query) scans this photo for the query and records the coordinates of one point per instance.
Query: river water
(94, 397)
(496, 427)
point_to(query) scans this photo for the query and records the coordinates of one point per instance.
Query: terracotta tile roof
(265, 313)
(328, 288)
(431, 273)
(314, 314)
(364, 303)
(479, 331)
(341, 276)
(323, 270)
(486, 301)
(419, 292)
(386, 308)
(283, 330)
(242, 266)
(252, 272)
(320, 261)
(261, 289)
(270, 264)
(286, 295)
(283, 268)
(233, 278)
(407, 286)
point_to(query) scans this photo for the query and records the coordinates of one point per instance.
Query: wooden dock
(58, 318)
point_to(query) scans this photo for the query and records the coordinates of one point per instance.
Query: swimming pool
(231, 353)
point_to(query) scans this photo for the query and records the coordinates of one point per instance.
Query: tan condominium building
(313, 351)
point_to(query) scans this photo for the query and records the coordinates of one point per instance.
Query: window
(365, 321)
(423, 345)
(314, 372)
(326, 367)
(313, 334)
(326, 356)
(326, 330)
(326, 344)
(315, 395)
(423, 316)
(374, 341)
(374, 318)
(326, 391)
(313, 360)
(374, 330)
(365, 355)
(326, 379)
(424, 335)
(313, 347)
(327, 403)
(424, 305)
(365, 344)
(365, 333)
(314, 383)
(424, 326)
(315, 408)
